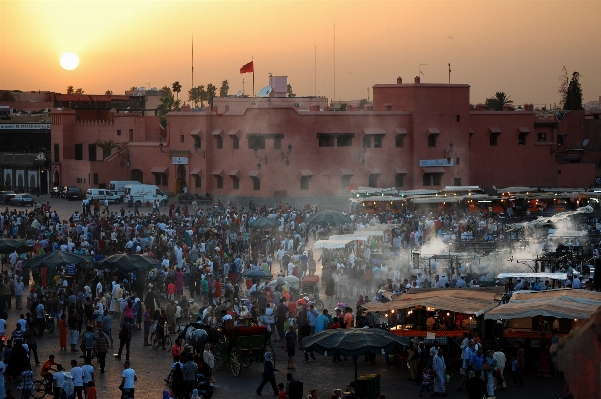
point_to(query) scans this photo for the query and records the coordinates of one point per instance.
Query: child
(91, 394)
(281, 393)
(426, 376)
(514, 369)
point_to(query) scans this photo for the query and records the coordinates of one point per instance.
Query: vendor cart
(310, 289)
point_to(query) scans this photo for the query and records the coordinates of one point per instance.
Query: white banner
(424, 163)
(25, 126)
(179, 160)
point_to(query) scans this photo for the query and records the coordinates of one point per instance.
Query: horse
(198, 335)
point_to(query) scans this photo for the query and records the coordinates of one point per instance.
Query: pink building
(413, 136)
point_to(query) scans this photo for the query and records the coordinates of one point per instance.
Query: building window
(344, 140)
(257, 142)
(378, 138)
(542, 137)
(399, 141)
(277, 143)
(399, 180)
(494, 139)
(457, 181)
(432, 179)
(345, 181)
(326, 140)
(92, 153)
(78, 152)
(458, 118)
(235, 182)
(373, 180)
(161, 179)
(218, 142)
(95, 178)
(118, 132)
(367, 141)
(522, 138)
(304, 182)
(181, 138)
(56, 153)
(457, 161)
(219, 181)
(197, 181)
(432, 140)
(196, 141)
(560, 139)
(235, 142)
(256, 183)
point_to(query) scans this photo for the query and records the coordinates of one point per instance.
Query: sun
(69, 61)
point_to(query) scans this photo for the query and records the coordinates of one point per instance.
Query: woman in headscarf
(360, 303)
(19, 361)
(68, 387)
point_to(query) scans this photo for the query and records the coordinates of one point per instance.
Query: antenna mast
(192, 55)
(315, 94)
(334, 61)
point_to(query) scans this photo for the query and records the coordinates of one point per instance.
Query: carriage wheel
(219, 362)
(318, 305)
(235, 361)
(269, 348)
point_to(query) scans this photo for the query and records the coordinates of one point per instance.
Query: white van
(119, 185)
(143, 193)
(101, 194)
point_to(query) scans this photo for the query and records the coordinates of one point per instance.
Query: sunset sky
(518, 47)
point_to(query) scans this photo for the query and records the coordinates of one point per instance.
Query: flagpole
(253, 61)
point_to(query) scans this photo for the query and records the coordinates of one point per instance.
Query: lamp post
(168, 153)
(286, 154)
(447, 152)
(200, 152)
(260, 158)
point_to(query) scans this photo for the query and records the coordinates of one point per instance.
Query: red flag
(247, 68)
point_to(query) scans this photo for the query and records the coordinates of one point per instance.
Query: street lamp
(286, 154)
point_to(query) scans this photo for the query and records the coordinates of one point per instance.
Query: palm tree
(176, 87)
(106, 146)
(498, 101)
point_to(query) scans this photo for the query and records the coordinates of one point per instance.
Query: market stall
(441, 314)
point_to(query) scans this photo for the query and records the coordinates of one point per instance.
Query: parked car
(56, 192)
(71, 192)
(22, 199)
(5, 196)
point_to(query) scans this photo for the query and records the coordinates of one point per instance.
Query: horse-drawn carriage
(237, 343)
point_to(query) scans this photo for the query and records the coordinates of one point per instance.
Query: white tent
(331, 244)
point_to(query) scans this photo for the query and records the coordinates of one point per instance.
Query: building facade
(412, 136)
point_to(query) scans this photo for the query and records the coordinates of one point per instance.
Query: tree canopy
(498, 101)
(176, 87)
(289, 91)
(225, 87)
(70, 90)
(168, 104)
(108, 93)
(573, 99)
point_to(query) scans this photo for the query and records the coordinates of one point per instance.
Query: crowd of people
(204, 251)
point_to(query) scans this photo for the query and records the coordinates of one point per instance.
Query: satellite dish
(585, 143)
(264, 92)
(238, 93)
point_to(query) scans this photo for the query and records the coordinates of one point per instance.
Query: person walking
(440, 373)
(178, 382)
(128, 378)
(190, 369)
(102, 347)
(489, 367)
(268, 375)
(72, 322)
(291, 342)
(88, 374)
(29, 337)
(124, 339)
(19, 286)
(40, 312)
(26, 383)
(475, 386)
(77, 374)
(63, 330)
(88, 341)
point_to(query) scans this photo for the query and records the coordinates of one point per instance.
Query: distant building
(411, 136)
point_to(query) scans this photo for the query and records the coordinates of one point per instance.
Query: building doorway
(55, 178)
(137, 175)
(180, 180)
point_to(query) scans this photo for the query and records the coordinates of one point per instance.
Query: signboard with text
(179, 160)
(24, 126)
(424, 163)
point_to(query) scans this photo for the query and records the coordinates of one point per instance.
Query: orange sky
(514, 46)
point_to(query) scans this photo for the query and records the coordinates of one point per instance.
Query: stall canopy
(330, 244)
(540, 276)
(563, 303)
(475, 301)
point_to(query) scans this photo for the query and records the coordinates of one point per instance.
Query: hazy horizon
(515, 47)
